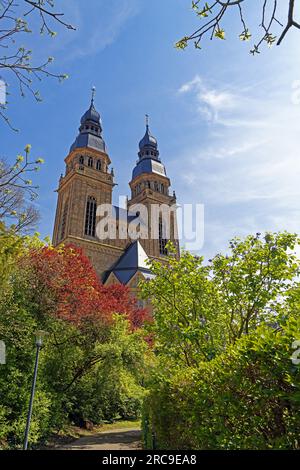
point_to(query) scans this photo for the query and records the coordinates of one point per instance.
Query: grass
(129, 424)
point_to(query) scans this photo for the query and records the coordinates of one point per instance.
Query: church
(88, 184)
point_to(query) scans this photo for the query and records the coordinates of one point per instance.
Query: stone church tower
(150, 187)
(88, 183)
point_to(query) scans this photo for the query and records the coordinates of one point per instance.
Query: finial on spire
(93, 94)
(147, 120)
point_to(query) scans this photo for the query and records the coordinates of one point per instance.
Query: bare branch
(213, 13)
(16, 191)
(16, 60)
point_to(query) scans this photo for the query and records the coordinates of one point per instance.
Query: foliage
(213, 13)
(10, 247)
(221, 376)
(187, 327)
(200, 309)
(15, 188)
(254, 277)
(93, 362)
(223, 336)
(64, 284)
(246, 398)
(113, 386)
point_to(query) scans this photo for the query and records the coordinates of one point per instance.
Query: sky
(227, 123)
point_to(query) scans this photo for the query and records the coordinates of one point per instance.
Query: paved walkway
(118, 439)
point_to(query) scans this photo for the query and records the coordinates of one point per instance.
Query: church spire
(90, 130)
(148, 145)
(93, 95)
(149, 161)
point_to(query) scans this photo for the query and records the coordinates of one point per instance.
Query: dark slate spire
(148, 145)
(90, 130)
(149, 161)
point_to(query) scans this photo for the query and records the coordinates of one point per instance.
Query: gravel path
(118, 439)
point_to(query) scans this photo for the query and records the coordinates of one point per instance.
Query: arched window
(162, 240)
(90, 162)
(81, 160)
(155, 186)
(64, 220)
(98, 165)
(90, 217)
(162, 188)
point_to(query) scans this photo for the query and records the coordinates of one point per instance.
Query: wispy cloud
(210, 101)
(103, 34)
(246, 169)
(224, 104)
(98, 25)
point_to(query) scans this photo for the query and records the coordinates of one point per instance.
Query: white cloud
(217, 100)
(193, 84)
(246, 167)
(210, 101)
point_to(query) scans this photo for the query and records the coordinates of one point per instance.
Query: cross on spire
(93, 94)
(147, 120)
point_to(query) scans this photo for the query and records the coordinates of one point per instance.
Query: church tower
(87, 183)
(150, 187)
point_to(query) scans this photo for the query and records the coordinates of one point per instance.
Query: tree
(93, 361)
(200, 309)
(98, 371)
(187, 309)
(65, 285)
(215, 11)
(245, 398)
(254, 277)
(16, 60)
(16, 189)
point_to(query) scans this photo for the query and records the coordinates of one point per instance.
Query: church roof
(88, 140)
(148, 165)
(90, 131)
(132, 261)
(149, 161)
(148, 140)
(91, 115)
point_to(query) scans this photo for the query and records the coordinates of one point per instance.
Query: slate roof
(132, 261)
(88, 140)
(148, 165)
(91, 115)
(148, 140)
(90, 131)
(149, 161)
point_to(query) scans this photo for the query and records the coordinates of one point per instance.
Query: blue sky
(227, 124)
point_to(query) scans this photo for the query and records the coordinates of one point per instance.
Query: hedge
(246, 398)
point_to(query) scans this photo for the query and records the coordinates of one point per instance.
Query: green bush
(246, 398)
